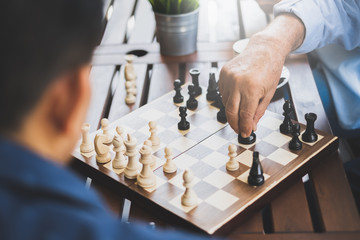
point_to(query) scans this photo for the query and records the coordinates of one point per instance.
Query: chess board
(224, 197)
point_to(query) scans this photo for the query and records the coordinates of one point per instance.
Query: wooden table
(320, 208)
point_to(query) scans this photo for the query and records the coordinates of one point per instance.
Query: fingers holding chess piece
(169, 166)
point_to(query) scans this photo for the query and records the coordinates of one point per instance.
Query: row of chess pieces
(130, 80)
(126, 158)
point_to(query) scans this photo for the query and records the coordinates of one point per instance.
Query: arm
(248, 82)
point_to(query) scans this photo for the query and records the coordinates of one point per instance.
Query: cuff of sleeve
(310, 14)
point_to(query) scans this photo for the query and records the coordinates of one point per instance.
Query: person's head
(46, 47)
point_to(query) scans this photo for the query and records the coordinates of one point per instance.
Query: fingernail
(243, 135)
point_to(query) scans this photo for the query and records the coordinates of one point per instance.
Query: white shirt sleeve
(326, 22)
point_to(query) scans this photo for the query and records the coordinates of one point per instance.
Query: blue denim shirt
(42, 200)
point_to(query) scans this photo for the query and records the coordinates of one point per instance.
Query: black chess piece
(212, 88)
(194, 72)
(247, 140)
(178, 98)
(218, 100)
(310, 135)
(183, 124)
(192, 103)
(221, 115)
(256, 175)
(295, 143)
(286, 126)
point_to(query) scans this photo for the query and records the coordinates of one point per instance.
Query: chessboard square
(159, 182)
(167, 121)
(277, 139)
(176, 202)
(185, 161)
(282, 156)
(182, 143)
(199, 151)
(264, 148)
(176, 130)
(197, 134)
(178, 181)
(152, 115)
(313, 143)
(212, 126)
(221, 200)
(215, 159)
(203, 190)
(197, 120)
(209, 112)
(270, 122)
(218, 179)
(246, 158)
(214, 142)
(244, 177)
(146, 130)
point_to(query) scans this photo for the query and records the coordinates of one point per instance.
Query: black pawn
(218, 100)
(221, 115)
(310, 135)
(183, 124)
(192, 103)
(212, 88)
(256, 175)
(194, 72)
(178, 98)
(247, 140)
(295, 143)
(286, 126)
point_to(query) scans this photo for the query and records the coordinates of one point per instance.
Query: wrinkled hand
(248, 82)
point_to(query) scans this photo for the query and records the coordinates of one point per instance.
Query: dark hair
(41, 39)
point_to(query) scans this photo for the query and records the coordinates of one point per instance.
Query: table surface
(320, 208)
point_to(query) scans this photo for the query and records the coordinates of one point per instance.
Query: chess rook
(256, 175)
(183, 124)
(310, 135)
(86, 145)
(247, 140)
(295, 143)
(286, 126)
(192, 103)
(131, 171)
(232, 164)
(169, 166)
(119, 161)
(194, 72)
(146, 178)
(178, 98)
(155, 140)
(189, 197)
(212, 88)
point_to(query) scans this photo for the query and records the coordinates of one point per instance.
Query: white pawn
(121, 132)
(119, 161)
(131, 170)
(155, 140)
(102, 148)
(130, 74)
(131, 86)
(169, 166)
(86, 145)
(130, 97)
(146, 178)
(189, 197)
(105, 128)
(153, 159)
(232, 164)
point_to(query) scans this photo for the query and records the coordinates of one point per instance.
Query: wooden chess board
(224, 197)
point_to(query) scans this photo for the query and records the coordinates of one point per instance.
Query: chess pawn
(183, 125)
(129, 72)
(119, 161)
(169, 166)
(295, 143)
(155, 140)
(189, 197)
(131, 86)
(194, 72)
(121, 132)
(286, 126)
(105, 128)
(191, 103)
(86, 145)
(130, 97)
(153, 159)
(146, 178)
(178, 98)
(310, 135)
(232, 164)
(102, 148)
(131, 170)
(256, 175)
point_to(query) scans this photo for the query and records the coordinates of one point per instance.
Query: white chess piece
(131, 171)
(169, 166)
(86, 145)
(155, 140)
(105, 129)
(146, 178)
(153, 159)
(102, 148)
(130, 74)
(131, 86)
(121, 132)
(119, 161)
(232, 164)
(189, 197)
(130, 97)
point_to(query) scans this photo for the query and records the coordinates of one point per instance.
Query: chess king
(44, 95)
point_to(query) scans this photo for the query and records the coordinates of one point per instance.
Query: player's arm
(248, 82)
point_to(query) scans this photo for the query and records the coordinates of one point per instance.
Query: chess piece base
(103, 159)
(256, 181)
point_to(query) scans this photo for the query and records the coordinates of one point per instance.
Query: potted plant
(176, 25)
